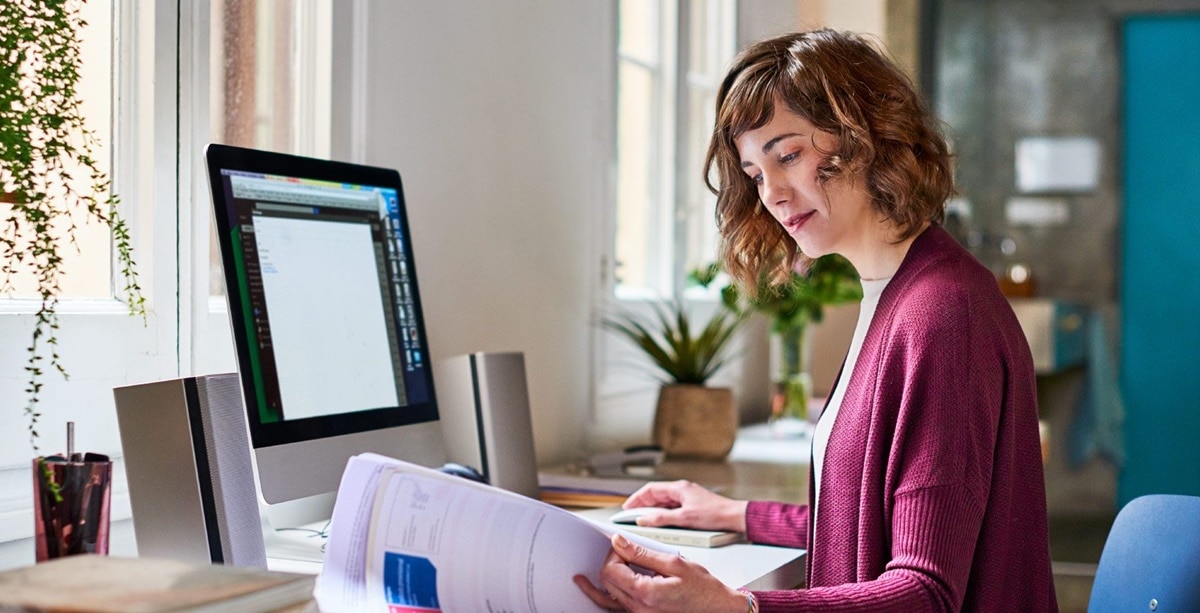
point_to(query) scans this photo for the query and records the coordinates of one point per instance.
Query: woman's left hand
(675, 585)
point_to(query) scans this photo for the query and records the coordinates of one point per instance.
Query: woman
(927, 491)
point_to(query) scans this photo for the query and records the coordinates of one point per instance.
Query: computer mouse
(630, 516)
(464, 471)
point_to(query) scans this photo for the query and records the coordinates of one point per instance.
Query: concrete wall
(1015, 68)
(1006, 69)
(1012, 68)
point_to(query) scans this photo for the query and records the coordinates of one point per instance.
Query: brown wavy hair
(847, 87)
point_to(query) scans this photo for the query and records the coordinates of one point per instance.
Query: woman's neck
(881, 255)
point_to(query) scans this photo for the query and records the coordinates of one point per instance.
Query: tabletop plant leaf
(668, 339)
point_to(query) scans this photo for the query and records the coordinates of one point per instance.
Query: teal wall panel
(1160, 256)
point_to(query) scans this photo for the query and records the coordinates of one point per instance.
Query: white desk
(756, 567)
(761, 466)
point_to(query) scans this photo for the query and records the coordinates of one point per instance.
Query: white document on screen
(405, 538)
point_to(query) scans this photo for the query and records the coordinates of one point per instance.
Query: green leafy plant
(683, 353)
(801, 299)
(49, 176)
(791, 305)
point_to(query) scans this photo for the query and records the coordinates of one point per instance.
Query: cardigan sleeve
(928, 572)
(777, 523)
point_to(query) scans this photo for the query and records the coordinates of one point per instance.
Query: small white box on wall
(1057, 164)
(1037, 210)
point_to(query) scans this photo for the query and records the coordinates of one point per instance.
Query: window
(269, 82)
(161, 79)
(671, 55)
(268, 72)
(86, 277)
(99, 344)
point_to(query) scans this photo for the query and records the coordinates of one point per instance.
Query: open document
(405, 538)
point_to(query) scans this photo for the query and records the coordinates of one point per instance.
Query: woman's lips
(793, 223)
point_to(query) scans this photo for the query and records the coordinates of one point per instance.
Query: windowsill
(18, 553)
(68, 306)
(691, 295)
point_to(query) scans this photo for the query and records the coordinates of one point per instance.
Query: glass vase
(71, 502)
(792, 386)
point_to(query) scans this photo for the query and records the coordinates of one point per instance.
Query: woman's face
(782, 158)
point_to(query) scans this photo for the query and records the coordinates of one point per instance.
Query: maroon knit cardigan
(932, 494)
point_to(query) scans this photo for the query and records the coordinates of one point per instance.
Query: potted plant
(792, 305)
(50, 180)
(690, 419)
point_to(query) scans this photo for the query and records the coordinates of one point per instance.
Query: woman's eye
(757, 179)
(789, 157)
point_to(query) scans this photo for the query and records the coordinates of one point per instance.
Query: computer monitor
(326, 316)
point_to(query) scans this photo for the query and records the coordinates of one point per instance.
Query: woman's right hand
(688, 505)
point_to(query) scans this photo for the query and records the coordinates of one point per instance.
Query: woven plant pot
(694, 421)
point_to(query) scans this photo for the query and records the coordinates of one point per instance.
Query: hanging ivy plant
(49, 177)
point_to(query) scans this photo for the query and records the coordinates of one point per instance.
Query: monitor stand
(297, 530)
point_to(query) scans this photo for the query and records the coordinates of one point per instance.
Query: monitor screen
(323, 302)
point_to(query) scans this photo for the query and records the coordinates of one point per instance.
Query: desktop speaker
(483, 404)
(191, 479)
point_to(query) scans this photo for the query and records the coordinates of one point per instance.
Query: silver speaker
(191, 478)
(483, 404)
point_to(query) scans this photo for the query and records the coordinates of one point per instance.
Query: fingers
(641, 579)
(636, 555)
(688, 505)
(665, 517)
(657, 494)
(601, 597)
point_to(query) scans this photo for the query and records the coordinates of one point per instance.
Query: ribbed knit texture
(932, 493)
(872, 291)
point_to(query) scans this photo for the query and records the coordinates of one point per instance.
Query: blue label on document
(409, 583)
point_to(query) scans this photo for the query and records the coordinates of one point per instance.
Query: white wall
(497, 117)
(866, 16)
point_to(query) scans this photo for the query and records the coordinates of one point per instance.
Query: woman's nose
(774, 189)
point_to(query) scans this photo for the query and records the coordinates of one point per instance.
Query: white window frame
(671, 215)
(623, 389)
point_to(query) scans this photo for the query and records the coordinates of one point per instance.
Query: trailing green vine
(46, 155)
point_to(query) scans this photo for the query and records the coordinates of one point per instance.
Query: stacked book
(102, 584)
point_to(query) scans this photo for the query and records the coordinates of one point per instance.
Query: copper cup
(77, 519)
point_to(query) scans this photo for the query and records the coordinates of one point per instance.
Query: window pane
(87, 272)
(699, 202)
(270, 82)
(710, 49)
(699, 35)
(636, 169)
(638, 30)
(664, 213)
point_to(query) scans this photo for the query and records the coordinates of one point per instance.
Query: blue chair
(1151, 559)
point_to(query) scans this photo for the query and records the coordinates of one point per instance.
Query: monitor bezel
(225, 157)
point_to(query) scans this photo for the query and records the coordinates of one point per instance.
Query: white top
(872, 290)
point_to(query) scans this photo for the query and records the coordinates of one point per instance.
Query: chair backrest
(1151, 559)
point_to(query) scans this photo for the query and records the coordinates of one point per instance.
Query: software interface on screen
(328, 301)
